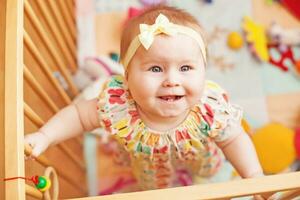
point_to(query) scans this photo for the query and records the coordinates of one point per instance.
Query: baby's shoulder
(214, 92)
(115, 81)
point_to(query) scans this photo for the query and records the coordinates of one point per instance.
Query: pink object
(121, 183)
(133, 12)
(184, 178)
(297, 142)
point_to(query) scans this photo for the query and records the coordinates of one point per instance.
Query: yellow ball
(274, 144)
(235, 40)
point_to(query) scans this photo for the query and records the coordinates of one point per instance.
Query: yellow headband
(161, 25)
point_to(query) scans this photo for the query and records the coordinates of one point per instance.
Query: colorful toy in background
(132, 12)
(285, 54)
(281, 41)
(274, 45)
(293, 6)
(280, 35)
(95, 68)
(277, 146)
(42, 183)
(235, 40)
(256, 39)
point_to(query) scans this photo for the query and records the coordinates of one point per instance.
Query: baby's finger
(30, 140)
(38, 150)
(29, 158)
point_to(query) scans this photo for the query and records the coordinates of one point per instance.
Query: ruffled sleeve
(222, 117)
(112, 102)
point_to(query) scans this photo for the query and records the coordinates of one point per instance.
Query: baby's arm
(241, 153)
(67, 123)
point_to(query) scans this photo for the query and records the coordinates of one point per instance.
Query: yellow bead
(234, 40)
(274, 144)
(48, 184)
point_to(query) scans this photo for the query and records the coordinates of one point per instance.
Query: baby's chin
(172, 113)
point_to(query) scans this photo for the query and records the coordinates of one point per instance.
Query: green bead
(42, 183)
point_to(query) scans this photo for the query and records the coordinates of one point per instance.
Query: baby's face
(168, 79)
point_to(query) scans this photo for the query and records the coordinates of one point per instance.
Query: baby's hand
(38, 141)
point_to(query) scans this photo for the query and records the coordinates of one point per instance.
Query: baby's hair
(175, 15)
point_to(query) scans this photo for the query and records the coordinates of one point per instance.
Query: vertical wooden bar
(62, 26)
(35, 52)
(55, 32)
(13, 98)
(37, 87)
(2, 78)
(67, 17)
(52, 49)
(72, 11)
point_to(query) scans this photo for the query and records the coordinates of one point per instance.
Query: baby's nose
(171, 80)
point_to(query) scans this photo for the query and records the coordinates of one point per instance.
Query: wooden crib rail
(52, 49)
(58, 29)
(225, 190)
(35, 52)
(64, 33)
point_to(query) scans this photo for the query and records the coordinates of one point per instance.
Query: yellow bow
(161, 25)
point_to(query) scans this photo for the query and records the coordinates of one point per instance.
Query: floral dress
(157, 159)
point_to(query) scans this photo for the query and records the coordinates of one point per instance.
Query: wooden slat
(52, 49)
(68, 20)
(46, 163)
(40, 91)
(43, 94)
(41, 159)
(63, 40)
(31, 191)
(62, 27)
(222, 190)
(35, 52)
(71, 10)
(33, 116)
(11, 29)
(2, 101)
(39, 122)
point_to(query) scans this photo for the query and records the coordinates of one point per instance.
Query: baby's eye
(155, 69)
(185, 68)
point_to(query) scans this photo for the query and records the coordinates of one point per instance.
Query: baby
(162, 113)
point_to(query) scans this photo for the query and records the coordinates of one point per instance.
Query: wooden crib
(37, 59)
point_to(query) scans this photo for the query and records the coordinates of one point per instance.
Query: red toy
(285, 53)
(293, 6)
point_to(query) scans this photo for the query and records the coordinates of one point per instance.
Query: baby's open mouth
(171, 97)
